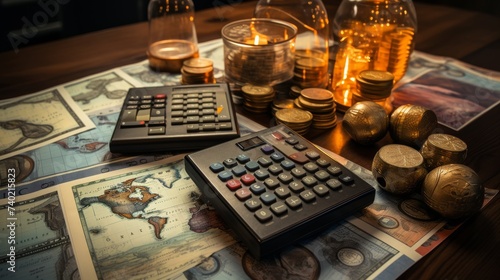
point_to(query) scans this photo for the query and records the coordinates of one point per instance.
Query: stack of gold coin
(282, 103)
(294, 91)
(394, 49)
(311, 69)
(440, 149)
(374, 85)
(295, 118)
(257, 99)
(197, 71)
(320, 103)
(412, 124)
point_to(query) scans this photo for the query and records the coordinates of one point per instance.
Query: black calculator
(274, 188)
(175, 118)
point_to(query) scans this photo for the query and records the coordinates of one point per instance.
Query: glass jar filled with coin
(259, 51)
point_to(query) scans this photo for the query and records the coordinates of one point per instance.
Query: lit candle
(257, 40)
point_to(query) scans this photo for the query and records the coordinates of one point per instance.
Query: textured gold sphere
(398, 169)
(441, 149)
(411, 125)
(453, 190)
(366, 122)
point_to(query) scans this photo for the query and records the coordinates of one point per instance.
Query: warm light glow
(256, 41)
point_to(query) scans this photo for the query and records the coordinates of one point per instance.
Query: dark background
(65, 18)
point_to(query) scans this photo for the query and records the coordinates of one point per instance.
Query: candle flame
(256, 40)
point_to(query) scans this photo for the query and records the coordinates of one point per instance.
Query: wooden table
(472, 252)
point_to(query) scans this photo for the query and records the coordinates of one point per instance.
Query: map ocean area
(145, 221)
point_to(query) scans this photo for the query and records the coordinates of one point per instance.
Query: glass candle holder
(259, 51)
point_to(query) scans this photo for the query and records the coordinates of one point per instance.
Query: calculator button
(158, 113)
(216, 167)
(225, 126)
(247, 179)
(267, 149)
(208, 126)
(225, 175)
(156, 130)
(252, 165)
(263, 215)
(320, 190)
(323, 162)
(261, 174)
(257, 188)
(230, 162)
(133, 124)
(299, 157)
(279, 208)
(264, 162)
(252, 204)
(346, 179)
(296, 186)
(192, 128)
(277, 157)
(268, 198)
(275, 169)
(271, 183)
(312, 155)
(239, 170)
(143, 115)
(293, 202)
(298, 172)
(242, 158)
(309, 181)
(288, 164)
(285, 178)
(243, 194)
(311, 167)
(129, 115)
(292, 141)
(334, 184)
(233, 184)
(223, 118)
(334, 170)
(282, 192)
(300, 147)
(322, 175)
(307, 196)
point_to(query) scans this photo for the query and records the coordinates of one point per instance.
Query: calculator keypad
(276, 186)
(195, 111)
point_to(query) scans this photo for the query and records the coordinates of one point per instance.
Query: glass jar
(371, 35)
(312, 40)
(172, 34)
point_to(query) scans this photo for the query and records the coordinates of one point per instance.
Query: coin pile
(297, 119)
(311, 69)
(320, 103)
(257, 99)
(197, 71)
(282, 103)
(374, 85)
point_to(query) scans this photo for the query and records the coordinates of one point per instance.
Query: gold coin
(376, 76)
(198, 62)
(257, 90)
(294, 116)
(317, 94)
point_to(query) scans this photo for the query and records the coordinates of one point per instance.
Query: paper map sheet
(35, 120)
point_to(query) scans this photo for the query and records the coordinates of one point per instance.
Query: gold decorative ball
(366, 122)
(412, 124)
(453, 190)
(398, 169)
